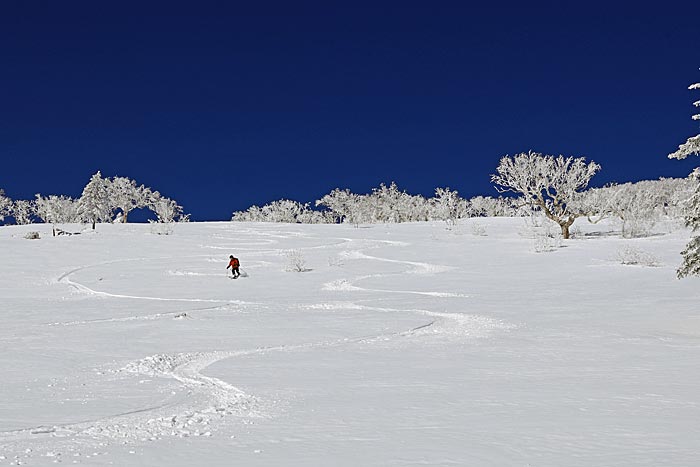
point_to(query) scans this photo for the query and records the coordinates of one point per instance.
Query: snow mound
(160, 364)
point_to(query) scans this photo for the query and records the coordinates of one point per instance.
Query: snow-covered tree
(691, 254)
(692, 146)
(94, 204)
(638, 206)
(341, 203)
(57, 210)
(126, 196)
(166, 209)
(252, 214)
(387, 204)
(487, 206)
(5, 205)
(482, 206)
(548, 182)
(310, 216)
(22, 211)
(283, 210)
(449, 207)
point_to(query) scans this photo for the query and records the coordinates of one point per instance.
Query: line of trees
(551, 186)
(102, 200)
(385, 204)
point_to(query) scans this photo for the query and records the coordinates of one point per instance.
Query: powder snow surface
(401, 345)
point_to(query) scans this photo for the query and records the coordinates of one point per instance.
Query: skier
(234, 264)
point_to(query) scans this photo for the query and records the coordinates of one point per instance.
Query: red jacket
(233, 263)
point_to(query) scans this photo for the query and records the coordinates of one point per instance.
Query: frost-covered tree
(387, 204)
(283, 210)
(487, 206)
(547, 182)
(23, 210)
(692, 146)
(482, 206)
(57, 210)
(449, 207)
(315, 217)
(252, 214)
(5, 205)
(126, 196)
(691, 254)
(637, 206)
(94, 204)
(166, 210)
(342, 204)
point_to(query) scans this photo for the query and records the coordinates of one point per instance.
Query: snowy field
(401, 345)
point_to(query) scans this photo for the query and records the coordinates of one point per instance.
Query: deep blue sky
(221, 105)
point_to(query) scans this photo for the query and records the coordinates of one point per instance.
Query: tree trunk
(565, 231)
(565, 226)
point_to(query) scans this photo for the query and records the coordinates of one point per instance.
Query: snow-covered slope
(402, 345)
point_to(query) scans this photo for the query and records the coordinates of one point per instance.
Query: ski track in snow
(207, 400)
(154, 316)
(415, 268)
(450, 324)
(65, 279)
(200, 412)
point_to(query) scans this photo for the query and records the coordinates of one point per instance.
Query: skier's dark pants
(235, 272)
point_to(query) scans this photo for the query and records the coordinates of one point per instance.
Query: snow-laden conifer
(94, 204)
(691, 254)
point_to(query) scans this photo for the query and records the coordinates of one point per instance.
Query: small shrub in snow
(631, 255)
(32, 236)
(478, 230)
(335, 261)
(576, 232)
(545, 242)
(544, 233)
(295, 261)
(161, 228)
